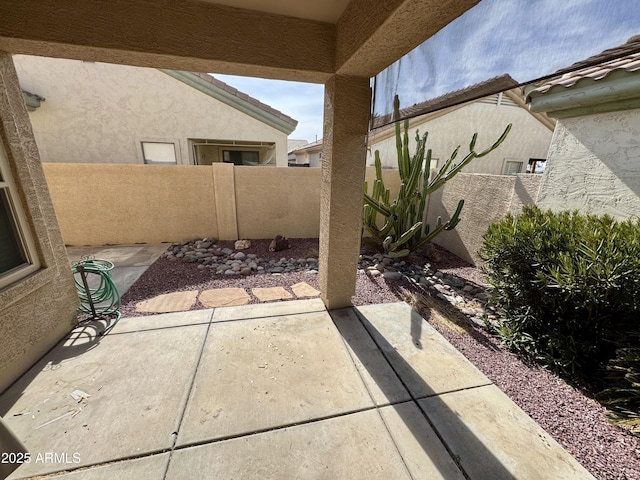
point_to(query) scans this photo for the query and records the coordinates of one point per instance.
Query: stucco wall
(487, 198)
(149, 203)
(39, 310)
(528, 137)
(121, 204)
(593, 165)
(277, 202)
(99, 112)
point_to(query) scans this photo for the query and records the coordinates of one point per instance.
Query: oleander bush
(567, 285)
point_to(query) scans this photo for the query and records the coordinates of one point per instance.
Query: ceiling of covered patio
(285, 39)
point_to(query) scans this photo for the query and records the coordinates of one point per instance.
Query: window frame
(504, 167)
(20, 224)
(153, 162)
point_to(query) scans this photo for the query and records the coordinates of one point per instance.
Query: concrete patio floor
(273, 391)
(130, 261)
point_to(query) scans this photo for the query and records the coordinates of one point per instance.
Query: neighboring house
(524, 149)
(594, 159)
(308, 155)
(104, 113)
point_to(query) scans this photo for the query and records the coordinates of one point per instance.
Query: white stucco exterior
(593, 165)
(528, 137)
(100, 113)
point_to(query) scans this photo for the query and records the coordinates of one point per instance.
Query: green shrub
(568, 285)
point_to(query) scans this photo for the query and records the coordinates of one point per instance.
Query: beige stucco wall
(121, 204)
(487, 198)
(593, 165)
(149, 203)
(39, 310)
(99, 112)
(275, 201)
(528, 137)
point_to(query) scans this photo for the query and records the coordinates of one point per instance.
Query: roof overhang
(620, 90)
(253, 109)
(238, 37)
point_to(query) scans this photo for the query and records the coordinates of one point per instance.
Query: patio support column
(346, 123)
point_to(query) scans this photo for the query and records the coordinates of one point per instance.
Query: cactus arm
(450, 225)
(497, 142)
(376, 205)
(406, 236)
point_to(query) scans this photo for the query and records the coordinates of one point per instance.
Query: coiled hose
(102, 301)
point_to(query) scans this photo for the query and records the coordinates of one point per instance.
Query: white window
(159, 153)
(17, 251)
(512, 168)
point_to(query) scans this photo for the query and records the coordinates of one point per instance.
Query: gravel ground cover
(574, 419)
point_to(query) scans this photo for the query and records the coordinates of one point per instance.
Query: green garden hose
(101, 301)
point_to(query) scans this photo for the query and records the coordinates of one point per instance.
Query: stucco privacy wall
(122, 204)
(487, 198)
(148, 203)
(528, 137)
(115, 107)
(593, 165)
(39, 310)
(272, 202)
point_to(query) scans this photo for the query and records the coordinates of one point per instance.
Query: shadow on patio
(275, 390)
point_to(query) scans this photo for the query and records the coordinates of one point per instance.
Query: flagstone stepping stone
(271, 294)
(303, 289)
(224, 297)
(169, 302)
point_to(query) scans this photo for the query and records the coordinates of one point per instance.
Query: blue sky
(526, 38)
(302, 101)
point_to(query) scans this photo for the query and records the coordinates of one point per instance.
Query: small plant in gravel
(568, 286)
(622, 396)
(403, 231)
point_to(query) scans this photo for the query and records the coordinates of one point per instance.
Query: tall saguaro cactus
(403, 231)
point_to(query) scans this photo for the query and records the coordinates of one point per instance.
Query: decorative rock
(276, 270)
(388, 275)
(240, 255)
(190, 259)
(374, 273)
(438, 275)
(229, 272)
(242, 244)
(226, 251)
(312, 260)
(278, 243)
(468, 288)
(245, 271)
